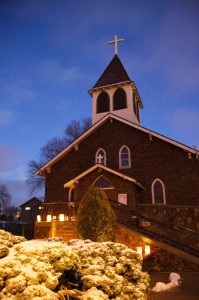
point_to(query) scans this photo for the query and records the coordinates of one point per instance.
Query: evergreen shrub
(96, 219)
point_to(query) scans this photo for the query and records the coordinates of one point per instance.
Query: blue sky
(53, 52)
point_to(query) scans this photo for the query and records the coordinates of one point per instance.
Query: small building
(30, 209)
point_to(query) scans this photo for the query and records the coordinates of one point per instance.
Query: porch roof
(75, 180)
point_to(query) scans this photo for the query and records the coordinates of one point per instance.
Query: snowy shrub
(112, 268)
(36, 269)
(7, 239)
(35, 263)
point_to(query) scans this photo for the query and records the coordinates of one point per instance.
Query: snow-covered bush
(7, 239)
(112, 268)
(33, 269)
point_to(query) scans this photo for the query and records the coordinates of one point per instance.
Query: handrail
(192, 233)
(189, 234)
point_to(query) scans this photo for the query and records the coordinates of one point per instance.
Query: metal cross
(116, 41)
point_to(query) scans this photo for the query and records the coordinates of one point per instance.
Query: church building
(151, 181)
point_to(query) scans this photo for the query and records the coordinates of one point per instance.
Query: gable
(101, 167)
(111, 118)
(32, 202)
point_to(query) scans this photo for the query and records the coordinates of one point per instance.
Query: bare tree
(5, 197)
(51, 149)
(35, 183)
(76, 128)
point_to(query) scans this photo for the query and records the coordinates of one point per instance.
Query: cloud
(55, 74)
(16, 91)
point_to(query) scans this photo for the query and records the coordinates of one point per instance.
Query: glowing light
(139, 250)
(61, 217)
(38, 218)
(147, 249)
(49, 218)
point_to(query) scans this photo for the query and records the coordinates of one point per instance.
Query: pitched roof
(99, 124)
(34, 199)
(113, 74)
(72, 181)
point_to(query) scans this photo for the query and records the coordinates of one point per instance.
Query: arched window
(158, 192)
(100, 157)
(103, 102)
(119, 99)
(103, 183)
(124, 157)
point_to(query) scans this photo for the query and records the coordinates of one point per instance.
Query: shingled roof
(113, 74)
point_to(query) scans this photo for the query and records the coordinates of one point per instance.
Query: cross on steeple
(116, 41)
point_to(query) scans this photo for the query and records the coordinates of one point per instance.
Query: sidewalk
(188, 290)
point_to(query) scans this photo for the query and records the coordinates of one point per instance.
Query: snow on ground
(164, 287)
(33, 270)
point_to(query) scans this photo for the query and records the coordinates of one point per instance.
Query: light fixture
(139, 250)
(38, 218)
(147, 250)
(49, 218)
(61, 217)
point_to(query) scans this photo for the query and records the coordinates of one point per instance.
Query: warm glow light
(49, 218)
(139, 250)
(147, 249)
(38, 218)
(61, 217)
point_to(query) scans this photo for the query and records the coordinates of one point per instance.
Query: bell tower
(115, 92)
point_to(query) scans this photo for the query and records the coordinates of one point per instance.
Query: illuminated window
(124, 158)
(27, 208)
(158, 192)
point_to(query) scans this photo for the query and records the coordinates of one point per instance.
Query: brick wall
(150, 159)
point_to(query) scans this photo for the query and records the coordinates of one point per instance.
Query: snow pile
(32, 270)
(164, 287)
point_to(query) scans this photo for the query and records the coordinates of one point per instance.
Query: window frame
(153, 192)
(124, 99)
(120, 158)
(96, 155)
(104, 188)
(104, 101)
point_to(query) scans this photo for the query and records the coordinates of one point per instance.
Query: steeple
(113, 74)
(115, 93)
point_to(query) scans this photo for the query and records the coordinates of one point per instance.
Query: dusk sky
(53, 52)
